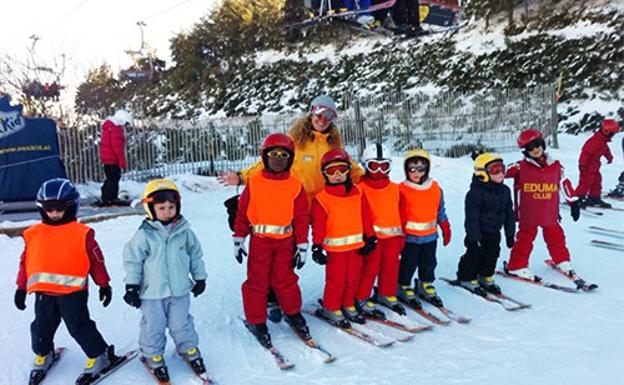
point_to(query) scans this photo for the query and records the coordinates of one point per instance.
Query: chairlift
(36, 88)
(138, 72)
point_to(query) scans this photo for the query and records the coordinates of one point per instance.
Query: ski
(585, 210)
(615, 232)
(151, 372)
(399, 325)
(316, 347)
(572, 276)
(460, 319)
(280, 360)
(203, 377)
(37, 376)
(500, 299)
(425, 314)
(97, 377)
(607, 244)
(355, 333)
(538, 281)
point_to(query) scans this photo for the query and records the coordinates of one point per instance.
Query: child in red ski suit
(590, 179)
(273, 208)
(342, 227)
(536, 185)
(382, 264)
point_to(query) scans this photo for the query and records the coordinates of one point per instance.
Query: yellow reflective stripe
(421, 226)
(58, 279)
(388, 230)
(343, 241)
(271, 229)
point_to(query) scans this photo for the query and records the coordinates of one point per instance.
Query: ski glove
(132, 297)
(510, 242)
(446, 232)
(106, 295)
(239, 249)
(575, 210)
(299, 259)
(369, 245)
(200, 286)
(318, 255)
(20, 299)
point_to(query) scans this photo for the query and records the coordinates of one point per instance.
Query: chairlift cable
(167, 9)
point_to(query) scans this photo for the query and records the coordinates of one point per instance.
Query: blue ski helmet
(58, 193)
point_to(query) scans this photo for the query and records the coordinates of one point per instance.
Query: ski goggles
(162, 197)
(337, 169)
(50, 206)
(278, 154)
(495, 168)
(419, 168)
(534, 144)
(382, 166)
(324, 113)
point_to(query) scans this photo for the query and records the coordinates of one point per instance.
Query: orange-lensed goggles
(337, 169)
(278, 154)
(324, 112)
(382, 166)
(495, 168)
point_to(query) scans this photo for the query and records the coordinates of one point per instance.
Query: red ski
(572, 276)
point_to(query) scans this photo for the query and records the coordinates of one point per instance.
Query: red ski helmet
(529, 135)
(335, 155)
(277, 140)
(610, 127)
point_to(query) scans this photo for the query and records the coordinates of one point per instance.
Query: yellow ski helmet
(482, 161)
(153, 187)
(418, 153)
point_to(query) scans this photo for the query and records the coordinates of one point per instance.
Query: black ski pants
(421, 256)
(73, 310)
(406, 12)
(110, 188)
(479, 260)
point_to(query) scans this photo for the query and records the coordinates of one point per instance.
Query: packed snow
(562, 339)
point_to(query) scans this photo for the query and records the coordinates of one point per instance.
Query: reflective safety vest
(422, 205)
(344, 229)
(56, 258)
(384, 203)
(272, 205)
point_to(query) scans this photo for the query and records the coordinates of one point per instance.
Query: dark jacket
(488, 208)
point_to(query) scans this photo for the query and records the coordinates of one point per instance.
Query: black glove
(106, 295)
(575, 210)
(369, 245)
(132, 297)
(318, 255)
(20, 299)
(200, 286)
(510, 242)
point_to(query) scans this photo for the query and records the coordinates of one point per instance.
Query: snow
(563, 339)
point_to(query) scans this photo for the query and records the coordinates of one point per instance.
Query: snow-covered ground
(563, 339)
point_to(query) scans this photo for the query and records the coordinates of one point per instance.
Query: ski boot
(391, 302)
(618, 192)
(566, 268)
(368, 308)
(523, 273)
(97, 365)
(489, 285)
(352, 314)
(408, 295)
(156, 365)
(194, 359)
(428, 292)
(595, 202)
(274, 312)
(261, 332)
(40, 367)
(473, 286)
(299, 325)
(336, 317)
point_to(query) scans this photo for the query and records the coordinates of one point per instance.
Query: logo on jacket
(541, 191)
(11, 119)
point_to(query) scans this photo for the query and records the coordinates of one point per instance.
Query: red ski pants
(342, 276)
(270, 265)
(590, 183)
(381, 264)
(555, 242)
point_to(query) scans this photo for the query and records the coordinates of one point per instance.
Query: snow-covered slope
(563, 339)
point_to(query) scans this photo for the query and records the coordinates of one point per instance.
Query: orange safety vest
(344, 229)
(422, 207)
(272, 205)
(56, 258)
(384, 203)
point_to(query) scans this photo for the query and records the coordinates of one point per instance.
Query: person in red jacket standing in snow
(113, 154)
(536, 186)
(590, 180)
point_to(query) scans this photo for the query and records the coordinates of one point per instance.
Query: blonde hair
(302, 132)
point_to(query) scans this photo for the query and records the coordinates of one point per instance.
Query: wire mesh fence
(447, 124)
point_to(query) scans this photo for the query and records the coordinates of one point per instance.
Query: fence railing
(448, 124)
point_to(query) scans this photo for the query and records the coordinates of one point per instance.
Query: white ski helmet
(123, 117)
(375, 151)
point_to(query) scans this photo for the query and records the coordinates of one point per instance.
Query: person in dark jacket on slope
(488, 208)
